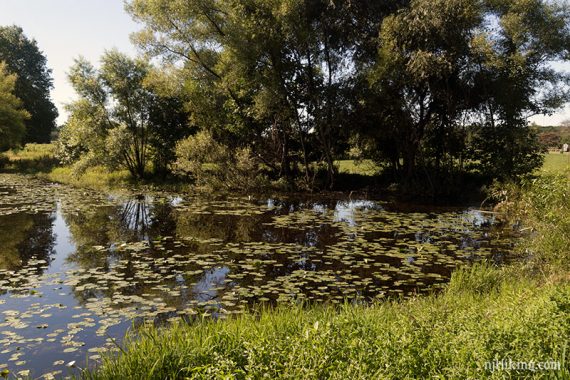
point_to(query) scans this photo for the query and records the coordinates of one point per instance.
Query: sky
(67, 29)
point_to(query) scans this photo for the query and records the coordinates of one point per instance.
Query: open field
(556, 162)
(364, 167)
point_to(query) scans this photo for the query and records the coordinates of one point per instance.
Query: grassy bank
(451, 335)
(40, 159)
(32, 159)
(96, 178)
(485, 315)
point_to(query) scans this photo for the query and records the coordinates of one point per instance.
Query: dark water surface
(79, 268)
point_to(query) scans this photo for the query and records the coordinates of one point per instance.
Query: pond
(79, 268)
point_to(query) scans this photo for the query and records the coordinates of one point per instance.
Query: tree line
(245, 91)
(27, 114)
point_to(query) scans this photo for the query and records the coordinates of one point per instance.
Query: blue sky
(66, 29)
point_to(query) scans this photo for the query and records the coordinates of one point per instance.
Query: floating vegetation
(79, 268)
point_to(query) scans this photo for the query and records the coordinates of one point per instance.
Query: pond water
(79, 268)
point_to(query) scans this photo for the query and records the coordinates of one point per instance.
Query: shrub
(507, 151)
(4, 161)
(214, 165)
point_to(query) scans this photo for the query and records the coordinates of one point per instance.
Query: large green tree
(426, 85)
(119, 120)
(12, 116)
(516, 80)
(450, 68)
(269, 74)
(24, 58)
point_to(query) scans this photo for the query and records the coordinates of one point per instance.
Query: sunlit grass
(363, 167)
(32, 159)
(556, 162)
(96, 177)
(32, 152)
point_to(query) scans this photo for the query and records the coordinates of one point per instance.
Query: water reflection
(24, 236)
(205, 290)
(345, 211)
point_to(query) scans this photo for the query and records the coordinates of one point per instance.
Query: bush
(507, 151)
(216, 166)
(539, 205)
(4, 161)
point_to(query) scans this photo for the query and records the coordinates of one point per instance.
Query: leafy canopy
(34, 82)
(12, 116)
(118, 118)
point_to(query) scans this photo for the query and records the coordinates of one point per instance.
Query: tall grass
(542, 205)
(96, 177)
(32, 159)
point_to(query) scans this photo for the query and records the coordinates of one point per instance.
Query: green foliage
(269, 76)
(437, 92)
(120, 121)
(543, 204)
(95, 177)
(32, 159)
(507, 152)
(12, 116)
(478, 279)
(34, 82)
(444, 66)
(363, 167)
(216, 166)
(170, 125)
(33, 152)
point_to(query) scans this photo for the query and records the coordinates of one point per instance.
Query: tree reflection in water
(135, 217)
(25, 236)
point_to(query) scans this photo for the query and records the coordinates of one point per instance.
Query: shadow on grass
(30, 165)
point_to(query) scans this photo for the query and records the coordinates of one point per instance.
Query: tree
(515, 81)
(118, 120)
(168, 117)
(23, 58)
(12, 116)
(271, 75)
(422, 80)
(445, 65)
(550, 139)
